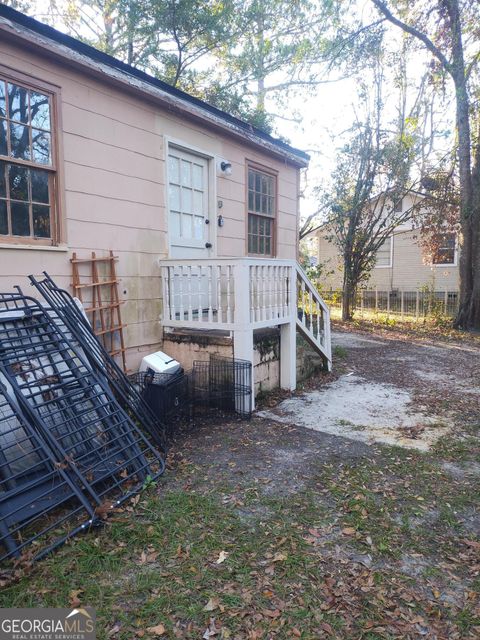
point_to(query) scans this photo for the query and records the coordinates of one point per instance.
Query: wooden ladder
(103, 303)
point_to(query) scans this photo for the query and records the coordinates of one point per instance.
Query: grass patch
(340, 352)
(424, 328)
(324, 561)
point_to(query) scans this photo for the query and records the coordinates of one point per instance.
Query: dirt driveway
(396, 392)
(272, 530)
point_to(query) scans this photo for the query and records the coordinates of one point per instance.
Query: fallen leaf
(348, 531)
(158, 630)
(114, 630)
(223, 555)
(212, 604)
(74, 599)
(271, 614)
(103, 510)
(210, 631)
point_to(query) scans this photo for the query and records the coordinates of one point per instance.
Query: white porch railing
(243, 294)
(313, 315)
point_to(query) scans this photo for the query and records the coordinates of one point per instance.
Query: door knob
(208, 245)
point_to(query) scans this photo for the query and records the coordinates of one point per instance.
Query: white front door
(189, 227)
(189, 230)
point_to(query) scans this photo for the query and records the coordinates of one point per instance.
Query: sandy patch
(359, 409)
(355, 341)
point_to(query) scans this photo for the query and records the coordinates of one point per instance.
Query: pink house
(200, 208)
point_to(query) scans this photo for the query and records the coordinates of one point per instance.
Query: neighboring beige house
(400, 263)
(200, 208)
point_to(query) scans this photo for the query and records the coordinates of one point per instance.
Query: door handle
(208, 245)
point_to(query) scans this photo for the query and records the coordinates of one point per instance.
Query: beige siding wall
(408, 271)
(114, 148)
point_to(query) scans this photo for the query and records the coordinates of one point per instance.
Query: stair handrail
(326, 347)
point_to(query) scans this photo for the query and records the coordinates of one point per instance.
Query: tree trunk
(468, 316)
(476, 234)
(468, 305)
(348, 295)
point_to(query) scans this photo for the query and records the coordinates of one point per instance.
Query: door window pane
(198, 202)
(187, 226)
(175, 224)
(197, 176)
(186, 201)
(198, 225)
(187, 191)
(186, 176)
(174, 198)
(174, 169)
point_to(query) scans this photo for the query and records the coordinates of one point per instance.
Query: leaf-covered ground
(267, 530)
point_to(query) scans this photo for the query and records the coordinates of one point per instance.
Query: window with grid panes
(27, 169)
(261, 212)
(383, 256)
(445, 253)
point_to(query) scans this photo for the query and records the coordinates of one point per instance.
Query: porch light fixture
(226, 167)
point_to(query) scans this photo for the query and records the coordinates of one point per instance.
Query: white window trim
(443, 265)
(390, 263)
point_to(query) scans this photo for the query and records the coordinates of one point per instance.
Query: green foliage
(230, 53)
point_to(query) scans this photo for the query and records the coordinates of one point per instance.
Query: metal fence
(413, 304)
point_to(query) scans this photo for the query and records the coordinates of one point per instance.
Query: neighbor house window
(262, 187)
(445, 253)
(27, 168)
(384, 254)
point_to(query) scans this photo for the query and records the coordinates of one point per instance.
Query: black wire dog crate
(166, 394)
(222, 383)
